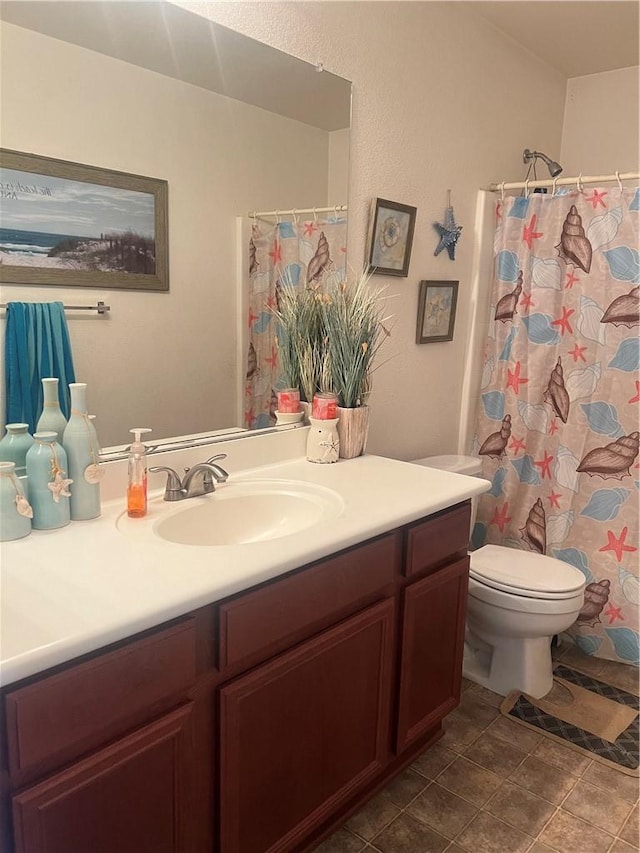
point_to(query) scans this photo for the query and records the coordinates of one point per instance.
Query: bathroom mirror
(232, 125)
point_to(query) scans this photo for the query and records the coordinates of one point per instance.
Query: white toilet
(518, 600)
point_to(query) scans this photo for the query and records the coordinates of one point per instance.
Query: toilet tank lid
(469, 465)
(497, 565)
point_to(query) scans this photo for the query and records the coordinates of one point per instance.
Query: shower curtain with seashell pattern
(558, 418)
(294, 253)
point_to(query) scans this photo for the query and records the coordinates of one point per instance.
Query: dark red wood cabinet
(300, 734)
(256, 724)
(127, 797)
(432, 644)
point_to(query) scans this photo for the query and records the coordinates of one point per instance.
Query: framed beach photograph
(436, 311)
(67, 224)
(390, 238)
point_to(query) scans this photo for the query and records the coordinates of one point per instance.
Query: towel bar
(101, 308)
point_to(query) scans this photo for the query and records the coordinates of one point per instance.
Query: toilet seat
(525, 574)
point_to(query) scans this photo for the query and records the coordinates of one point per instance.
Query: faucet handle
(220, 474)
(173, 489)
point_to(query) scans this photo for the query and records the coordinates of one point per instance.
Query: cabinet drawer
(64, 715)
(432, 542)
(258, 624)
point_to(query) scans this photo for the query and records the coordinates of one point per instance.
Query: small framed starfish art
(436, 311)
(390, 238)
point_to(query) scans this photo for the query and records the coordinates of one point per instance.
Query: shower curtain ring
(315, 216)
(502, 191)
(277, 217)
(579, 183)
(526, 188)
(295, 215)
(554, 185)
(619, 181)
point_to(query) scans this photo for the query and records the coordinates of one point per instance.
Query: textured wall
(600, 131)
(441, 100)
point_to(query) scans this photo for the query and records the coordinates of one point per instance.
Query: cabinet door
(434, 614)
(130, 797)
(301, 733)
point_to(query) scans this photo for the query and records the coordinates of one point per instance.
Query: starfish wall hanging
(449, 232)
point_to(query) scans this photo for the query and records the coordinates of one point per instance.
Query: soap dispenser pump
(137, 488)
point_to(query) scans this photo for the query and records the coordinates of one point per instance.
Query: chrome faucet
(199, 480)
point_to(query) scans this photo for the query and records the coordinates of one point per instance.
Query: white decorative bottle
(83, 452)
(323, 444)
(51, 419)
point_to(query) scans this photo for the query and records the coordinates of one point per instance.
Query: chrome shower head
(531, 156)
(554, 168)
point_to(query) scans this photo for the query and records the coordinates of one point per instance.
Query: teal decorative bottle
(14, 446)
(48, 482)
(83, 452)
(15, 511)
(51, 419)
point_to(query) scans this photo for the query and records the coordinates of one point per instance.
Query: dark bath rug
(583, 713)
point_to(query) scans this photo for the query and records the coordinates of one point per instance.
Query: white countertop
(70, 591)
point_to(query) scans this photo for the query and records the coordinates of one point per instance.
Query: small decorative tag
(23, 506)
(93, 473)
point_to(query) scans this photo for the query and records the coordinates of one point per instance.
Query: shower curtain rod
(562, 182)
(336, 208)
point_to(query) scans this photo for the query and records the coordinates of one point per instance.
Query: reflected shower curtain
(558, 422)
(294, 253)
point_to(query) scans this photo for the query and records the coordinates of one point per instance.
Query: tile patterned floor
(492, 786)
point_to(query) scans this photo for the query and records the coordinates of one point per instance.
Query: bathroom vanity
(259, 720)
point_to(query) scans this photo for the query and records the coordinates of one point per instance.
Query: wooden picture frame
(71, 225)
(436, 311)
(391, 237)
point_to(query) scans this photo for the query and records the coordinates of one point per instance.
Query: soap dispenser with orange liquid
(137, 488)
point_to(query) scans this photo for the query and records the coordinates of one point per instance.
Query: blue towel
(37, 345)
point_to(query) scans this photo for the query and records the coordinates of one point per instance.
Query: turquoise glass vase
(15, 510)
(48, 482)
(51, 419)
(80, 442)
(14, 446)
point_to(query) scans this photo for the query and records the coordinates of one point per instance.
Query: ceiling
(576, 37)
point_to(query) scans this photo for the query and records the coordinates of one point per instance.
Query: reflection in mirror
(235, 127)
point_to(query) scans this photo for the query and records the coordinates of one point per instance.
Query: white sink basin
(241, 513)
